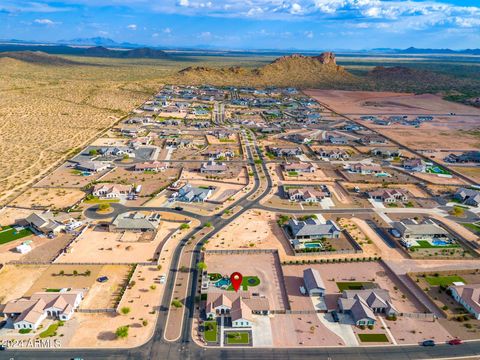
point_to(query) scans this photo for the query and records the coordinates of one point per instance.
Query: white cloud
(132, 27)
(184, 3)
(309, 34)
(167, 30)
(46, 22)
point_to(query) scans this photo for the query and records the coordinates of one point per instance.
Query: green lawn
(292, 173)
(51, 330)
(354, 285)
(422, 244)
(211, 334)
(373, 337)
(246, 282)
(96, 200)
(472, 227)
(238, 337)
(444, 280)
(7, 234)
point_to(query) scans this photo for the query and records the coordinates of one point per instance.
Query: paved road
(185, 348)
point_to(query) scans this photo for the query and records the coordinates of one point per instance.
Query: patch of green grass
(354, 285)
(246, 282)
(96, 200)
(373, 337)
(444, 280)
(472, 227)
(51, 330)
(238, 337)
(24, 331)
(292, 173)
(53, 290)
(210, 332)
(7, 234)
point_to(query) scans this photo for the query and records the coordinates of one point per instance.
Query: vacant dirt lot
(15, 280)
(56, 198)
(52, 278)
(102, 295)
(98, 245)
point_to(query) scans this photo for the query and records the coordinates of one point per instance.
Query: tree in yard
(125, 310)
(88, 273)
(103, 207)
(75, 272)
(202, 266)
(184, 226)
(93, 152)
(122, 332)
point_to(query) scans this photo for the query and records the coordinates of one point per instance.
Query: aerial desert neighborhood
(176, 205)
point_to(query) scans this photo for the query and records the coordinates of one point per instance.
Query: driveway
(342, 329)
(262, 331)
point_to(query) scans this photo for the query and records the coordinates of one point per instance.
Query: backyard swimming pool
(313, 245)
(440, 243)
(222, 283)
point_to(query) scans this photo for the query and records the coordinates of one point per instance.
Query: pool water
(313, 245)
(382, 175)
(222, 283)
(440, 243)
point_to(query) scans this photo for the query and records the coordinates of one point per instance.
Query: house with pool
(311, 232)
(422, 234)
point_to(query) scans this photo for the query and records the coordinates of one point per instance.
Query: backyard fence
(96, 311)
(241, 251)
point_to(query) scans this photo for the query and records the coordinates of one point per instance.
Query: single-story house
(111, 191)
(313, 282)
(299, 167)
(45, 223)
(307, 194)
(155, 166)
(92, 166)
(468, 196)
(189, 193)
(311, 229)
(362, 305)
(364, 169)
(468, 296)
(28, 313)
(212, 167)
(388, 196)
(417, 165)
(136, 222)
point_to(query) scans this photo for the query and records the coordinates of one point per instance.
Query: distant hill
(96, 51)
(293, 70)
(39, 58)
(412, 50)
(97, 41)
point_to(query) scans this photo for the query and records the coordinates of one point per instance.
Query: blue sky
(250, 24)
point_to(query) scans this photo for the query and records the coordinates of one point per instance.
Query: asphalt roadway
(186, 348)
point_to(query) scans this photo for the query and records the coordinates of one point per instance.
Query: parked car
(178, 208)
(3, 347)
(302, 290)
(163, 278)
(335, 316)
(428, 343)
(395, 233)
(455, 342)
(102, 279)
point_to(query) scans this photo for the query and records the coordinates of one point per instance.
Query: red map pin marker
(236, 280)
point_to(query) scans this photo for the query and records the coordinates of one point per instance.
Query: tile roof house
(313, 282)
(239, 306)
(372, 140)
(386, 152)
(388, 196)
(364, 169)
(155, 166)
(212, 167)
(333, 154)
(299, 167)
(136, 222)
(306, 194)
(92, 166)
(29, 313)
(310, 229)
(468, 296)
(362, 305)
(468, 196)
(189, 193)
(111, 191)
(286, 151)
(417, 165)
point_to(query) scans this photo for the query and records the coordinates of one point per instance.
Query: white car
(163, 278)
(302, 290)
